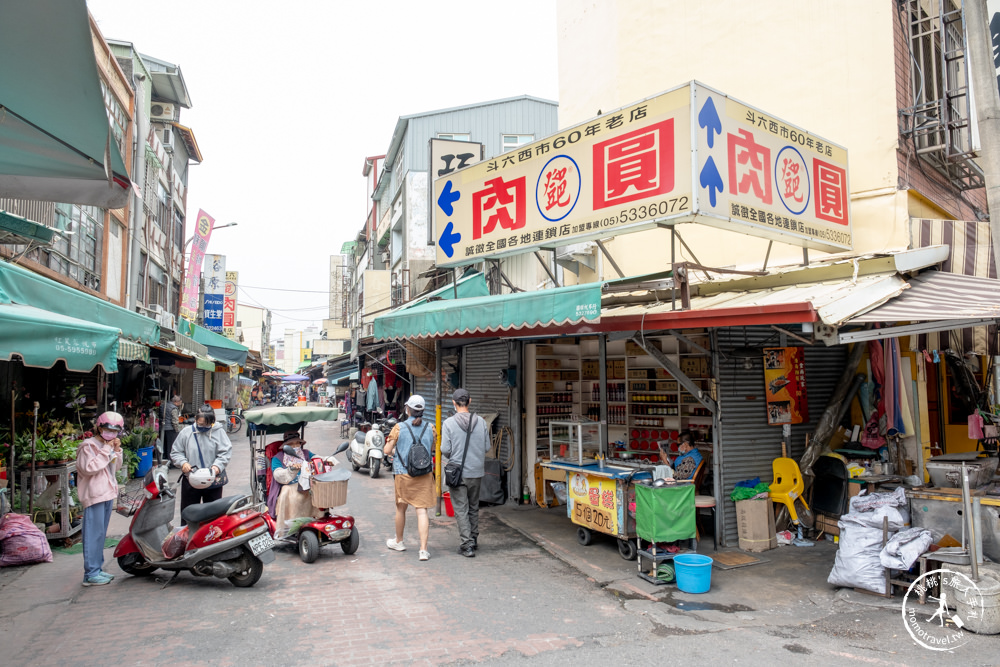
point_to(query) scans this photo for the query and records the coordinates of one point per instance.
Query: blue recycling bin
(145, 461)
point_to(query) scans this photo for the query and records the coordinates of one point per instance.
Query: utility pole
(984, 83)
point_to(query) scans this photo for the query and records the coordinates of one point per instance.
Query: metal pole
(437, 423)
(967, 510)
(137, 213)
(13, 449)
(673, 267)
(31, 481)
(602, 378)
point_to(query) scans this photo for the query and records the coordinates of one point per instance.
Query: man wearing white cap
(413, 442)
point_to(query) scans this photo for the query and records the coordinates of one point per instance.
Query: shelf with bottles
(617, 415)
(615, 391)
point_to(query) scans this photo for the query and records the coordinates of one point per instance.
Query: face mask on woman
(203, 429)
(108, 434)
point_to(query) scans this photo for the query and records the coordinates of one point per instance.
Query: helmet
(207, 413)
(110, 421)
(415, 402)
(201, 478)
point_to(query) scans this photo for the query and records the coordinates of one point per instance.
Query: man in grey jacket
(465, 498)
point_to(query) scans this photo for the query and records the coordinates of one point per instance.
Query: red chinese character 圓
(501, 198)
(229, 319)
(635, 165)
(831, 192)
(749, 167)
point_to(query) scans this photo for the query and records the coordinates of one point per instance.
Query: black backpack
(418, 460)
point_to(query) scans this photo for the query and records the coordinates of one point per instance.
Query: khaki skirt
(416, 491)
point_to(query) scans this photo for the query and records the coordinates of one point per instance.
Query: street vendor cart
(600, 497)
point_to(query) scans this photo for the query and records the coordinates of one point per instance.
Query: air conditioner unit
(385, 257)
(167, 140)
(165, 320)
(161, 112)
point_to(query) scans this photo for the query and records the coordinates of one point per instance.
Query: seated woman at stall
(291, 501)
(688, 458)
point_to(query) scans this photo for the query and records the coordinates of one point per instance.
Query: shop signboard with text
(215, 288)
(785, 379)
(690, 154)
(229, 305)
(593, 502)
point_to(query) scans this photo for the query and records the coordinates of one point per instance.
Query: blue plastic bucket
(694, 573)
(145, 461)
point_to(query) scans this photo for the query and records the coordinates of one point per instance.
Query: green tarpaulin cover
(666, 513)
(278, 420)
(41, 338)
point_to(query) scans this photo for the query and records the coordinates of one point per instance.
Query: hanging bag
(222, 478)
(453, 471)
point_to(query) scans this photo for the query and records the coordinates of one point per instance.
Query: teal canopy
(24, 287)
(470, 285)
(21, 231)
(221, 348)
(41, 338)
(278, 420)
(55, 140)
(491, 314)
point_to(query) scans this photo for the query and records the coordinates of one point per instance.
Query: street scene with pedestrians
(648, 332)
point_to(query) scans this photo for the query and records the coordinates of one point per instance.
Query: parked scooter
(366, 451)
(228, 538)
(330, 528)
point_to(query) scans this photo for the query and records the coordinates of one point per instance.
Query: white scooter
(366, 451)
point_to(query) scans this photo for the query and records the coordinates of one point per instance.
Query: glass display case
(576, 442)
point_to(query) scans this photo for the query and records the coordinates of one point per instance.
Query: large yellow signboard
(687, 155)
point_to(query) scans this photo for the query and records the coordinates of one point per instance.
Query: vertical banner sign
(202, 233)
(215, 289)
(447, 156)
(229, 305)
(691, 154)
(785, 377)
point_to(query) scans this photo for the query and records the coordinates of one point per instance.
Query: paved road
(513, 604)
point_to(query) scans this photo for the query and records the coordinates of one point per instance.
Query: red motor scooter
(229, 538)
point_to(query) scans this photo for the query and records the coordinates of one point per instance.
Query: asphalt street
(515, 603)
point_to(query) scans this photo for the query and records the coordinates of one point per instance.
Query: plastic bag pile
(861, 560)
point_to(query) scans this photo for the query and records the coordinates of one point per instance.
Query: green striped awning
(203, 363)
(131, 351)
(489, 314)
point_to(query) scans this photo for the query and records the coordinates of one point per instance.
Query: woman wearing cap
(416, 491)
(97, 461)
(203, 445)
(291, 501)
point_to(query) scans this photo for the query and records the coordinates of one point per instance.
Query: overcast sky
(289, 98)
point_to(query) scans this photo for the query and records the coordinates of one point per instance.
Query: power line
(280, 289)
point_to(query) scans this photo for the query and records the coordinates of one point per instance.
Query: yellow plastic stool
(787, 485)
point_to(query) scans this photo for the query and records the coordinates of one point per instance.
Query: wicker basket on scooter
(329, 489)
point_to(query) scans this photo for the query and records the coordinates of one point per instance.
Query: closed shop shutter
(748, 443)
(482, 365)
(88, 381)
(198, 388)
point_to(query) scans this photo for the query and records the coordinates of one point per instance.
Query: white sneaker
(394, 545)
(424, 555)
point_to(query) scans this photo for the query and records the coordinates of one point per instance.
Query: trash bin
(145, 461)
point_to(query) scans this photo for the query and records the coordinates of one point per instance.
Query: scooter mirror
(343, 447)
(288, 449)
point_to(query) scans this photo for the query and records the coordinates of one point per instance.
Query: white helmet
(201, 478)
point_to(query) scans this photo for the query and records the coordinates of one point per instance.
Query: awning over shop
(220, 347)
(508, 312)
(52, 150)
(27, 288)
(243, 379)
(41, 338)
(470, 285)
(20, 231)
(348, 374)
(131, 351)
(936, 295)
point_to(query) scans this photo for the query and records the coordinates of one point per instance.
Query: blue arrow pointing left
(448, 198)
(449, 237)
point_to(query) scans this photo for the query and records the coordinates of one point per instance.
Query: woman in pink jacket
(97, 461)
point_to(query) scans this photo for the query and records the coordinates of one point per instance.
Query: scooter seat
(208, 511)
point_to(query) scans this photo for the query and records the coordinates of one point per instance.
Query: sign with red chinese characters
(229, 305)
(189, 295)
(785, 391)
(690, 154)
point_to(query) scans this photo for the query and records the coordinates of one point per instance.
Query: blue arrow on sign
(448, 198)
(708, 118)
(709, 178)
(449, 237)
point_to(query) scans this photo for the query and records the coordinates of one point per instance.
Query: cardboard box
(619, 368)
(591, 370)
(755, 525)
(694, 367)
(662, 374)
(544, 350)
(827, 524)
(633, 350)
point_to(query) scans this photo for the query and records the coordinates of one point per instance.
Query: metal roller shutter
(481, 368)
(198, 389)
(749, 444)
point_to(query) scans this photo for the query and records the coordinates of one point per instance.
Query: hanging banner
(785, 380)
(691, 154)
(215, 288)
(202, 233)
(229, 305)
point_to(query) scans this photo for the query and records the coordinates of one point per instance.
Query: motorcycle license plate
(260, 544)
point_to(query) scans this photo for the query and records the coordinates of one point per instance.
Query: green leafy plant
(146, 436)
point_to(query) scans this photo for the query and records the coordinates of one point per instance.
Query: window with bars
(117, 117)
(76, 246)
